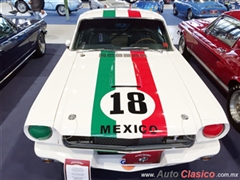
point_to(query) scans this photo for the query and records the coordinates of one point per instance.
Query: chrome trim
(208, 70)
(128, 145)
(17, 67)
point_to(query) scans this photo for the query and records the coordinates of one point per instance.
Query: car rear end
(209, 9)
(74, 5)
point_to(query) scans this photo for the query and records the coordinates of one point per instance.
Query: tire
(61, 10)
(40, 46)
(189, 14)
(233, 106)
(175, 12)
(182, 48)
(21, 6)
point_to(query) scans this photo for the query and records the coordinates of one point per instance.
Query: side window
(227, 30)
(6, 28)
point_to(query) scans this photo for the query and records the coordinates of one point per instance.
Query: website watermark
(188, 174)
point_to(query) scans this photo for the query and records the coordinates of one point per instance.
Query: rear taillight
(213, 131)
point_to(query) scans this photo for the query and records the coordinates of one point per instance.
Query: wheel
(21, 6)
(189, 14)
(146, 39)
(40, 46)
(233, 106)
(175, 12)
(182, 48)
(61, 10)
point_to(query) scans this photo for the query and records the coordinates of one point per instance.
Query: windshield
(121, 34)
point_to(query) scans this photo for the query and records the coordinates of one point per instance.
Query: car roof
(121, 13)
(233, 13)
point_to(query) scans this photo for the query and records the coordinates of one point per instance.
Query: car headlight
(213, 131)
(40, 132)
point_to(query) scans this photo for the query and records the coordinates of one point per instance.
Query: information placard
(77, 169)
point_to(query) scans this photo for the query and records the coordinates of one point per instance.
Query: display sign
(77, 169)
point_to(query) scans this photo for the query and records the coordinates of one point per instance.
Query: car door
(13, 46)
(182, 6)
(215, 48)
(51, 4)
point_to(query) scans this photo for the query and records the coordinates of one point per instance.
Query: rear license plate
(213, 12)
(142, 158)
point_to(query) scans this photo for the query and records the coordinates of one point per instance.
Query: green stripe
(105, 70)
(109, 13)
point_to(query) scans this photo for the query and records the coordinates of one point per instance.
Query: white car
(23, 6)
(96, 4)
(123, 98)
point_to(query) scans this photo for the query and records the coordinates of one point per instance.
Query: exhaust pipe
(206, 158)
(48, 160)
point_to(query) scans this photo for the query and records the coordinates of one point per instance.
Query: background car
(152, 5)
(96, 4)
(22, 6)
(125, 97)
(230, 4)
(167, 1)
(198, 8)
(19, 39)
(216, 45)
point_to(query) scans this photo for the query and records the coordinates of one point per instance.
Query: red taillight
(213, 131)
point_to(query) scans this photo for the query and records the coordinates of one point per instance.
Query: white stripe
(121, 13)
(124, 72)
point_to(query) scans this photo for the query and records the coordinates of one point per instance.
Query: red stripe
(145, 79)
(132, 13)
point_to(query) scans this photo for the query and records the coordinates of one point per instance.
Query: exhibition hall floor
(17, 158)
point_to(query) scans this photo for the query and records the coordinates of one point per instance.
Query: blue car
(198, 8)
(19, 39)
(230, 4)
(153, 5)
(23, 6)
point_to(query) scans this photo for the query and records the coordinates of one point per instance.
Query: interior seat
(99, 38)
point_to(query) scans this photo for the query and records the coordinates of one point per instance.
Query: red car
(215, 44)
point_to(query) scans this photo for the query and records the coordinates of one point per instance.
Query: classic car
(123, 98)
(230, 4)
(198, 8)
(96, 4)
(19, 39)
(215, 44)
(152, 5)
(23, 6)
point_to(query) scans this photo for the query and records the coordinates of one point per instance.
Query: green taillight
(40, 132)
